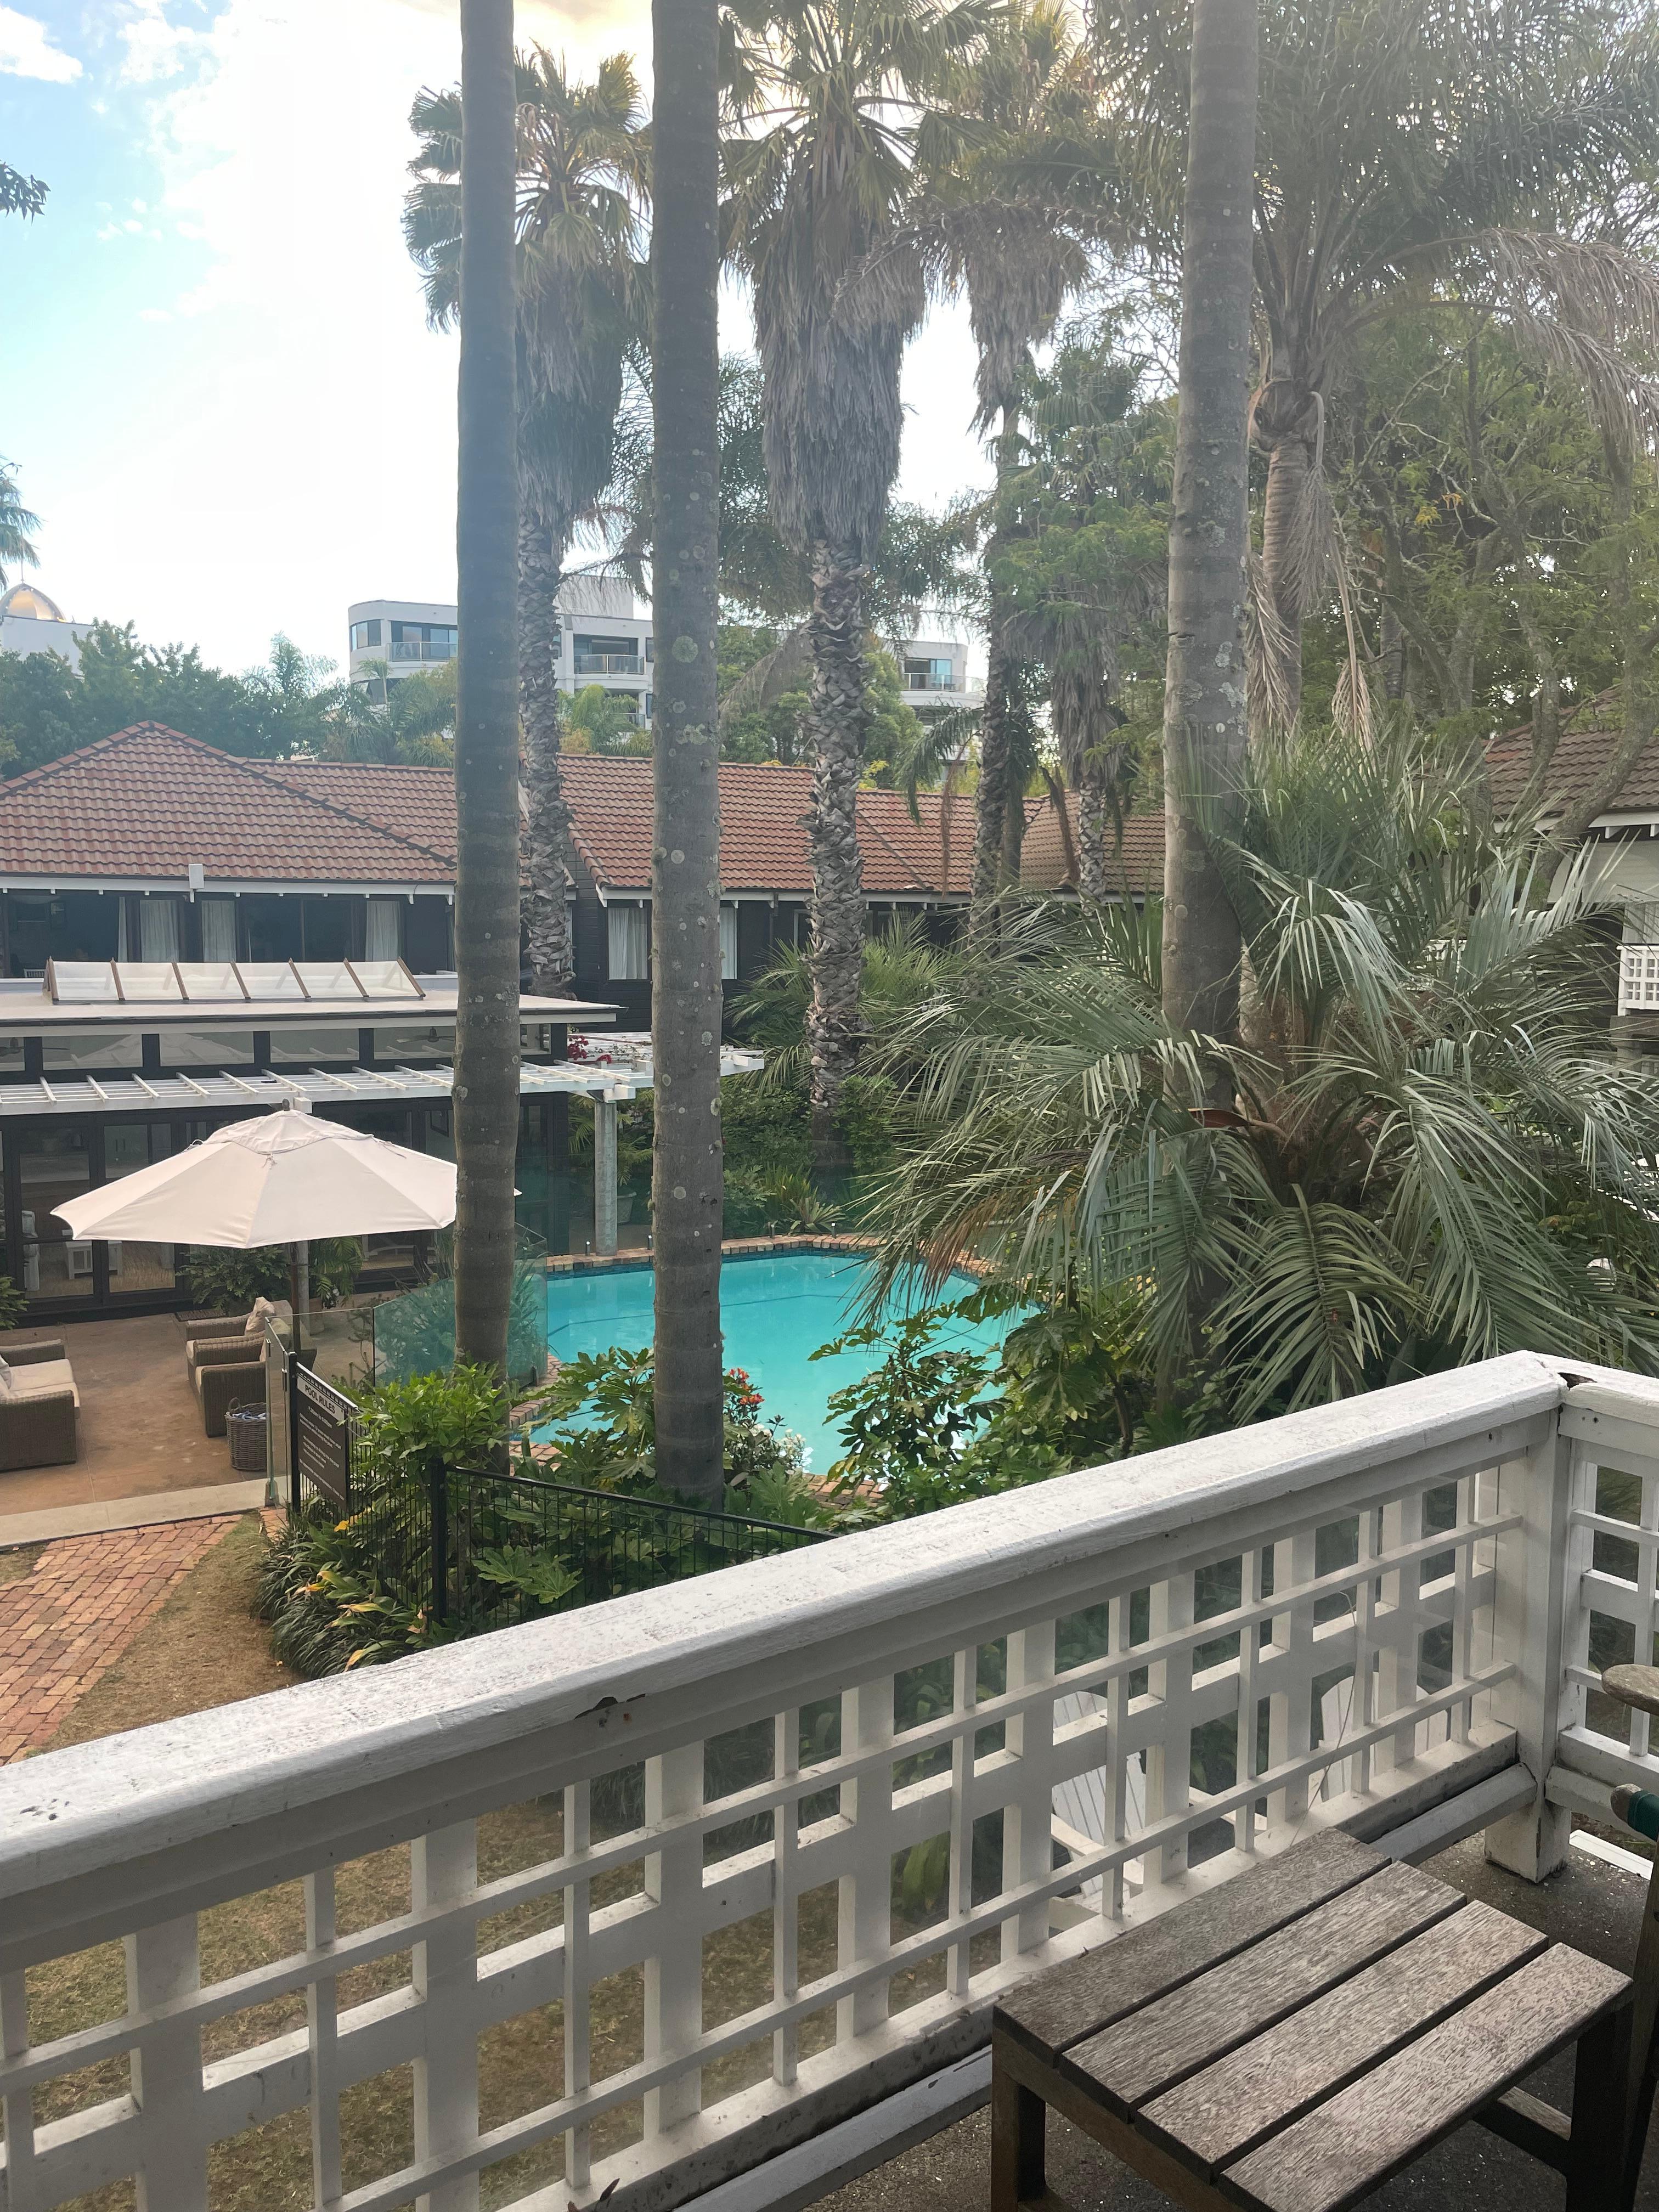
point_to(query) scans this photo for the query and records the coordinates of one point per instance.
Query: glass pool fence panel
(905, 1774)
(414, 1333)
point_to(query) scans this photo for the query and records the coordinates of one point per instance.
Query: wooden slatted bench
(1290, 2038)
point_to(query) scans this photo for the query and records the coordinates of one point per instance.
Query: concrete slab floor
(1593, 1907)
(139, 1429)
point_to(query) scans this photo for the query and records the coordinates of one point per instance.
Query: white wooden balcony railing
(904, 1770)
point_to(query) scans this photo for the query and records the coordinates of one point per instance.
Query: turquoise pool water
(776, 1311)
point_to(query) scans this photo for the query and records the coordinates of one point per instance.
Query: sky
(216, 384)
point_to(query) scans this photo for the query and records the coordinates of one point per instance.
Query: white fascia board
(225, 886)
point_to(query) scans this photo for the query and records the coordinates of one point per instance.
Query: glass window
(54, 1165)
(137, 1269)
(728, 944)
(307, 1046)
(383, 930)
(627, 938)
(207, 1048)
(11, 1055)
(218, 928)
(393, 1046)
(364, 634)
(325, 929)
(70, 1050)
(158, 929)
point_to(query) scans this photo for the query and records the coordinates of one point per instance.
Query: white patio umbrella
(283, 1178)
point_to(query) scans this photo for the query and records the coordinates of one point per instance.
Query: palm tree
(830, 102)
(486, 1090)
(686, 1008)
(1205, 690)
(580, 184)
(1438, 1161)
(1006, 223)
(1413, 150)
(16, 548)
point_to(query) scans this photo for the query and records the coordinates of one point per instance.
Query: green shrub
(461, 1416)
(602, 1408)
(328, 1609)
(14, 1305)
(222, 1280)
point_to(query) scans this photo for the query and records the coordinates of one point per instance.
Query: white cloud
(27, 50)
(155, 47)
(286, 390)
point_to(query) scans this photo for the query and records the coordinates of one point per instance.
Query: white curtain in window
(728, 944)
(123, 935)
(158, 929)
(218, 928)
(381, 940)
(629, 933)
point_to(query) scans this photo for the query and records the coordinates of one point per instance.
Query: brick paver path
(64, 1624)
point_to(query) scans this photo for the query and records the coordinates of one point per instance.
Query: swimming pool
(776, 1310)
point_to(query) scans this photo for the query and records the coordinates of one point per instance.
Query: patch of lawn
(204, 1648)
(14, 1566)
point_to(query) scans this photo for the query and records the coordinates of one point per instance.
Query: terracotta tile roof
(145, 804)
(1579, 758)
(1042, 860)
(411, 802)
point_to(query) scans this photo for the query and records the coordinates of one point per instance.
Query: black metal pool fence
(486, 1549)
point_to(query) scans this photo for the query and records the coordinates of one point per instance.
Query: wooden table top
(1294, 2035)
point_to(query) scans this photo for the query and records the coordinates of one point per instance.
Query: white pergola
(612, 1069)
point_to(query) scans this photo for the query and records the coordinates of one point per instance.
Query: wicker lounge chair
(38, 1407)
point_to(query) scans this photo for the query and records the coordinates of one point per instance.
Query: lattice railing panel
(661, 1922)
(1611, 1571)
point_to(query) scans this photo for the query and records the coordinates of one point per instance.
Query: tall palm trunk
(996, 735)
(1093, 815)
(991, 802)
(836, 720)
(486, 1093)
(547, 817)
(687, 1163)
(1205, 729)
(1285, 534)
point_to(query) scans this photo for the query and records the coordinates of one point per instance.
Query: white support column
(1536, 1564)
(673, 1972)
(1028, 1822)
(445, 1979)
(1290, 1709)
(322, 2036)
(958, 1970)
(786, 1895)
(865, 1899)
(578, 2018)
(1170, 1760)
(604, 1175)
(163, 1965)
(19, 2108)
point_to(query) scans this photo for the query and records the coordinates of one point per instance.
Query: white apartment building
(933, 672)
(604, 640)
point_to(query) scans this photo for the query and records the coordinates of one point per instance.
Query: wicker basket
(245, 1427)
